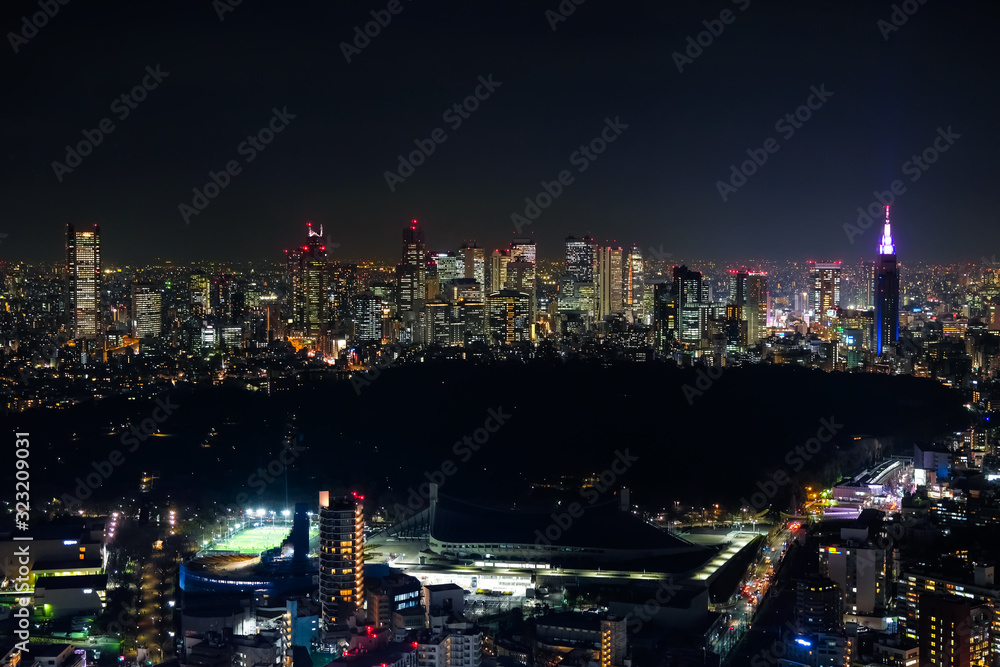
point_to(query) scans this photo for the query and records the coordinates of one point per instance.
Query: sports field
(255, 540)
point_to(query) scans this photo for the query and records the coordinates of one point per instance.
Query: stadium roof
(600, 526)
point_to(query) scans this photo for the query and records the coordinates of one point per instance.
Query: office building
(886, 291)
(412, 270)
(824, 289)
(581, 258)
(508, 315)
(472, 315)
(496, 277)
(819, 605)
(460, 645)
(450, 266)
(368, 313)
(633, 289)
(691, 299)
(437, 314)
(954, 632)
(605, 635)
(199, 292)
(974, 584)
(83, 281)
(147, 316)
(757, 306)
(525, 274)
(859, 564)
(387, 595)
(609, 282)
(341, 559)
(474, 261)
(309, 281)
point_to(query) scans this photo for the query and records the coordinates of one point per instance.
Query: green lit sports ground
(252, 541)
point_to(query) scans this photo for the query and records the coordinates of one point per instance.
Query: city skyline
(885, 115)
(520, 333)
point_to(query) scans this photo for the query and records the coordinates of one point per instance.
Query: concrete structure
(341, 561)
(606, 635)
(57, 597)
(859, 566)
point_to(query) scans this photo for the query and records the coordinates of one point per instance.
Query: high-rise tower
(609, 279)
(886, 291)
(748, 290)
(146, 309)
(341, 557)
(824, 288)
(691, 297)
(475, 265)
(412, 270)
(83, 281)
(309, 275)
(581, 258)
(634, 281)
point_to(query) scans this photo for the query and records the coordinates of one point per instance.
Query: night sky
(655, 185)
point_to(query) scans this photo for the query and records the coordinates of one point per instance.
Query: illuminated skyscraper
(610, 282)
(450, 266)
(824, 288)
(198, 288)
(341, 558)
(474, 259)
(691, 297)
(954, 632)
(496, 277)
(580, 258)
(411, 271)
(146, 310)
(309, 276)
(508, 317)
(748, 290)
(886, 291)
(368, 309)
(523, 250)
(634, 277)
(83, 281)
